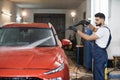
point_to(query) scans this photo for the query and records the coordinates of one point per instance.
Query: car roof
(37, 25)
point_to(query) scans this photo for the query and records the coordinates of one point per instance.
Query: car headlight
(61, 67)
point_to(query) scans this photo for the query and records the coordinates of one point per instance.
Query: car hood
(35, 58)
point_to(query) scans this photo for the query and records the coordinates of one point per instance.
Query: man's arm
(83, 35)
(87, 37)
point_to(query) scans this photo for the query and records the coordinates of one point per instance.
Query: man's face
(98, 21)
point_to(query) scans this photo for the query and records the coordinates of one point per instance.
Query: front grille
(19, 78)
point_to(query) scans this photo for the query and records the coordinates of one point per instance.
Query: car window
(26, 36)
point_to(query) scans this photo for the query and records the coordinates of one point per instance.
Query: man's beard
(98, 24)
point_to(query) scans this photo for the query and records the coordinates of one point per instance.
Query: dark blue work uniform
(100, 59)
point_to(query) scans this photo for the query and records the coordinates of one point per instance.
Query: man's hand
(84, 22)
(73, 28)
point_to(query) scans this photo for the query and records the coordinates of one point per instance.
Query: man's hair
(100, 15)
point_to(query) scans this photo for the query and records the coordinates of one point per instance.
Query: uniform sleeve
(100, 32)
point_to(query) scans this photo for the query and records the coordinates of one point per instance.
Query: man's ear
(102, 20)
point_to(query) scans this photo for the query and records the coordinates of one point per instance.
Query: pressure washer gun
(82, 22)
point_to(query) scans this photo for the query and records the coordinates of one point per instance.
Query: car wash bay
(63, 14)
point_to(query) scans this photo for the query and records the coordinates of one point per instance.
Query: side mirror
(66, 42)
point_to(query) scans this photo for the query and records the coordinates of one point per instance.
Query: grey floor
(77, 72)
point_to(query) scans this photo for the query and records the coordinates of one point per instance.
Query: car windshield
(26, 37)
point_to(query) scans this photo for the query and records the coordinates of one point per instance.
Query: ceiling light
(73, 13)
(24, 13)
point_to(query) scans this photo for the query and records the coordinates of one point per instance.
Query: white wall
(114, 23)
(99, 6)
(9, 7)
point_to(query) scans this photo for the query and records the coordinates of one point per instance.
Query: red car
(32, 51)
